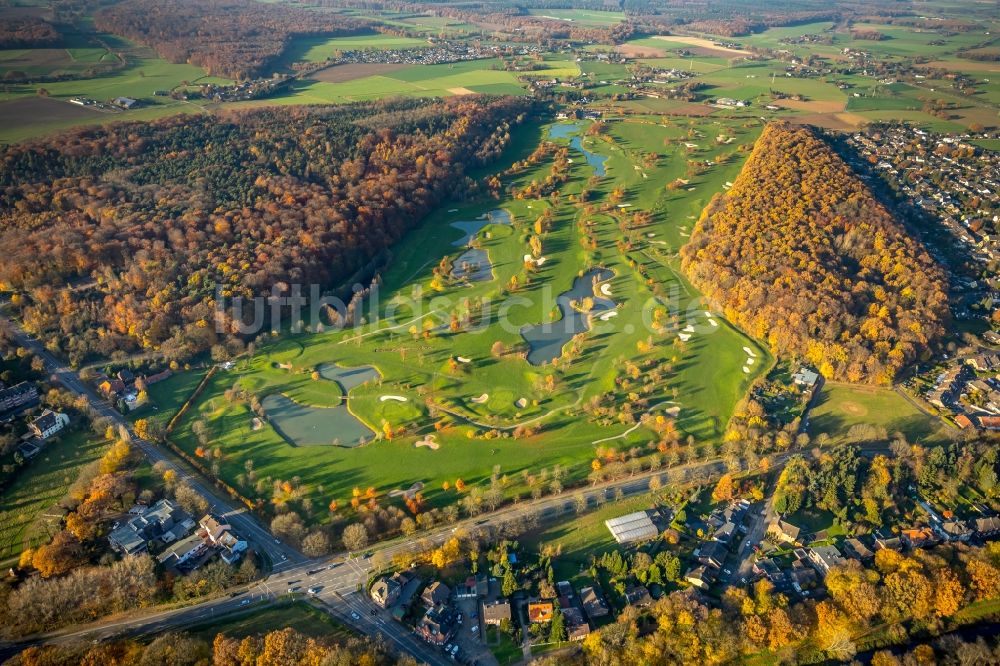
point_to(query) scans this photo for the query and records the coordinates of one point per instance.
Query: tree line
(800, 253)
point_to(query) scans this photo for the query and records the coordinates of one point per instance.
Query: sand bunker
(521, 403)
(396, 398)
(429, 442)
(462, 359)
(410, 492)
(672, 412)
(749, 352)
(256, 423)
(481, 399)
(688, 329)
(606, 289)
(461, 91)
(684, 336)
(608, 315)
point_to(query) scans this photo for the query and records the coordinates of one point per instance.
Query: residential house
(220, 534)
(111, 388)
(576, 626)
(18, 397)
(803, 578)
(854, 549)
(164, 521)
(435, 594)
(917, 537)
(987, 527)
(955, 530)
(593, 603)
(701, 576)
(725, 533)
(495, 612)
(48, 424)
(784, 532)
(125, 102)
(437, 626)
(638, 596)
(768, 568)
(182, 552)
(386, 590)
(888, 541)
(825, 558)
(540, 611)
(805, 378)
(712, 553)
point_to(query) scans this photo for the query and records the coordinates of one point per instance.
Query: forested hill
(151, 216)
(233, 38)
(799, 253)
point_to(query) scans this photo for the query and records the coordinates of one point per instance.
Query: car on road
(245, 601)
(475, 628)
(314, 590)
(277, 541)
(727, 572)
(355, 616)
(292, 588)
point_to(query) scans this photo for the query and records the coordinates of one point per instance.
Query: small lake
(546, 341)
(471, 228)
(571, 131)
(348, 378)
(473, 265)
(304, 425)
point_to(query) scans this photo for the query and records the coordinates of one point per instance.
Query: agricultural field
(420, 394)
(584, 17)
(30, 514)
(841, 406)
(24, 113)
(318, 49)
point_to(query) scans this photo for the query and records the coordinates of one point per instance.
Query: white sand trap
(688, 329)
(481, 399)
(608, 315)
(462, 359)
(690, 189)
(685, 182)
(728, 184)
(644, 175)
(750, 361)
(256, 423)
(672, 412)
(690, 217)
(650, 235)
(624, 205)
(749, 352)
(521, 403)
(394, 398)
(685, 235)
(606, 289)
(659, 242)
(713, 322)
(684, 336)
(690, 145)
(539, 261)
(708, 313)
(536, 262)
(429, 442)
(569, 160)
(746, 369)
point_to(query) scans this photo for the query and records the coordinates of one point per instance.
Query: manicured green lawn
(298, 615)
(28, 513)
(166, 397)
(842, 406)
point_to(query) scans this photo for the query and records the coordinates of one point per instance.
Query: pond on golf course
(546, 341)
(474, 264)
(304, 425)
(571, 131)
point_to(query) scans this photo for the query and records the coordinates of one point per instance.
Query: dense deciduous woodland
(26, 31)
(233, 38)
(138, 223)
(800, 253)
